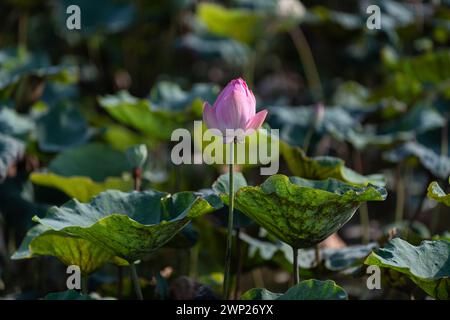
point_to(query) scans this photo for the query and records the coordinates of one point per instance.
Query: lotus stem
(137, 177)
(258, 278)
(400, 203)
(307, 139)
(295, 265)
(365, 223)
(193, 261)
(317, 254)
(420, 205)
(227, 276)
(444, 137)
(364, 219)
(238, 263)
(119, 282)
(307, 59)
(23, 30)
(135, 280)
(85, 284)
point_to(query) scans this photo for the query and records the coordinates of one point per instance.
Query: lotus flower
(234, 109)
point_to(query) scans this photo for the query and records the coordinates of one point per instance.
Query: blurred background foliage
(72, 101)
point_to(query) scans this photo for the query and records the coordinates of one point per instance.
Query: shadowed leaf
(427, 265)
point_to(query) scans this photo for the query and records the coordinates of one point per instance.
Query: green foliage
(61, 128)
(18, 69)
(305, 290)
(436, 193)
(81, 188)
(426, 265)
(323, 167)
(10, 151)
(169, 108)
(95, 160)
(67, 295)
(69, 249)
(303, 212)
(438, 165)
(128, 225)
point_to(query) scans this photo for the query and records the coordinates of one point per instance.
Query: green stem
(307, 59)
(119, 282)
(365, 223)
(295, 265)
(135, 280)
(364, 219)
(85, 284)
(317, 254)
(137, 178)
(258, 278)
(444, 138)
(400, 203)
(239, 264)
(308, 137)
(227, 277)
(23, 30)
(193, 261)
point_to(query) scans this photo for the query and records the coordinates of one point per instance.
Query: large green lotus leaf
(436, 193)
(11, 150)
(306, 290)
(341, 259)
(260, 294)
(141, 114)
(303, 212)
(16, 64)
(14, 124)
(67, 295)
(62, 127)
(122, 138)
(419, 119)
(168, 108)
(431, 67)
(209, 46)
(352, 95)
(438, 165)
(241, 24)
(129, 225)
(432, 139)
(427, 265)
(171, 97)
(221, 187)
(222, 184)
(69, 249)
(80, 188)
(324, 167)
(295, 122)
(252, 20)
(96, 161)
(335, 259)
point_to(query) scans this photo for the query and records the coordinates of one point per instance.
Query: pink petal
(209, 116)
(234, 111)
(224, 93)
(256, 122)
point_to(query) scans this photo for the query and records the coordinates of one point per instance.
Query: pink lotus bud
(234, 109)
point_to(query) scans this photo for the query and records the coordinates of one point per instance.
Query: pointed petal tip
(256, 122)
(209, 116)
